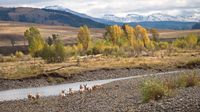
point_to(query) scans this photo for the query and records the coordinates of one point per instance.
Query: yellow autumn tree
(129, 31)
(35, 40)
(141, 33)
(131, 34)
(138, 32)
(145, 37)
(84, 37)
(114, 33)
(191, 40)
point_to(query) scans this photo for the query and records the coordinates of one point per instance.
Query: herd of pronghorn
(63, 93)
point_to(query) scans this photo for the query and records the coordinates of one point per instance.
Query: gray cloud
(119, 7)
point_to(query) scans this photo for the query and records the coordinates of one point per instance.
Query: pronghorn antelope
(37, 96)
(97, 87)
(62, 94)
(71, 92)
(82, 89)
(31, 97)
(81, 86)
(85, 86)
(89, 89)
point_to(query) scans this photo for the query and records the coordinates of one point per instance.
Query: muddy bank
(120, 96)
(52, 79)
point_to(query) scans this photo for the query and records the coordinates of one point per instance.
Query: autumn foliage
(118, 41)
(35, 40)
(136, 37)
(84, 37)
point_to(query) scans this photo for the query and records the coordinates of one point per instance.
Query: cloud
(98, 8)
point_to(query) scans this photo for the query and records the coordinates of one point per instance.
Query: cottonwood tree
(130, 34)
(141, 33)
(114, 34)
(84, 37)
(35, 40)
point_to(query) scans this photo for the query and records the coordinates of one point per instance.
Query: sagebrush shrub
(188, 80)
(170, 83)
(190, 41)
(71, 51)
(55, 53)
(193, 63)
(180, 43)
(163, 45)
(154, 90)
(19, 54)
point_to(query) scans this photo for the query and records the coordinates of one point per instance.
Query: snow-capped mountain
(135, 17)
(60, 8)
(153, 17)
(129, 18)
(156, 20)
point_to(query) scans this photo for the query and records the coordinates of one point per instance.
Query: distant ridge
(196, 26)
(46, 16)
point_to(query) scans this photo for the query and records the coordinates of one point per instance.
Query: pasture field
(15, 30)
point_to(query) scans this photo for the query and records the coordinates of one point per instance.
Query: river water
(18, 94)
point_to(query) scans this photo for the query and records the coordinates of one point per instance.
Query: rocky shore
(119, 96)
(43, 80)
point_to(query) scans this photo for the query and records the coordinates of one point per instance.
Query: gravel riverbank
(119, 96)
(85, 76)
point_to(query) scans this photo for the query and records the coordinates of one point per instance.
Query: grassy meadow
(15, 30)
(102, 54)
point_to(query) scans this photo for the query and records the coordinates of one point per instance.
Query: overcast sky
(98, 8)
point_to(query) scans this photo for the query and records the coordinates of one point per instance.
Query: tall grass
(193, 63)
(188, 80)
(154, 90)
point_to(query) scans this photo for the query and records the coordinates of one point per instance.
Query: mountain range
(56, 15)
(153, 17)
(134, 17)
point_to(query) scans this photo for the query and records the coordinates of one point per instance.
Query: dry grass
(188, 80)
(16, 30)
(193, 63)
(154, 89)
(178, 33)
(27, 67)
